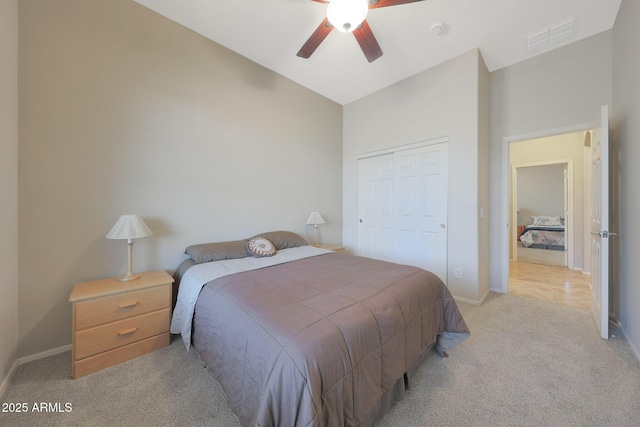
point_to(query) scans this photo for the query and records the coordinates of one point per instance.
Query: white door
(403, 207)
(600, 224)
(375, 207)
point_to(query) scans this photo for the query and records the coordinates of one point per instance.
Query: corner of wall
(8, 190)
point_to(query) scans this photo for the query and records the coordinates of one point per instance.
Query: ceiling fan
(349, 16)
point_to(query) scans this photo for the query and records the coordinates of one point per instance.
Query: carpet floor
(527, 363)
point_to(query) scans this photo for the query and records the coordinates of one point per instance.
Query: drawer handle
(128, 331)
(128, 304)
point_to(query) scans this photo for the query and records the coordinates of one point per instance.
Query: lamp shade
(347, 15)
(129, 227)
(315, 218)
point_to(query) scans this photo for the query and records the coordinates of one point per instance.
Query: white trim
(403, 147)
(505, 212)
(42, 355)
(26, 359)
(472, 302)
(5, 383)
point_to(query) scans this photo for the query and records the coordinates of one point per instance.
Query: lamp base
(128, 278)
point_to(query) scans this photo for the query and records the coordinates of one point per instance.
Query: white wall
(442, 101)
(8, 188)
(553, 92)
(124, 111)
(626, 157)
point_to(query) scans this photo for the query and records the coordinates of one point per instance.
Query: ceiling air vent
(552, 35)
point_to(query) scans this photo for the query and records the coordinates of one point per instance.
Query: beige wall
(442, 101)
(8, 188)
(484, 189)
(123, 111)
(626, 157)
(549, 94)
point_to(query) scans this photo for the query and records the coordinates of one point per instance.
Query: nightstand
(116, 321)
(335, 248)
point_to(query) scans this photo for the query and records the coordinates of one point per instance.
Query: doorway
(568, 283)
(542, 189)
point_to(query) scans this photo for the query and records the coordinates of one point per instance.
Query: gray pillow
(283, 239)
(207, 252)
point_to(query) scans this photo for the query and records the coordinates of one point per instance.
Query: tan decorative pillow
(261, 247)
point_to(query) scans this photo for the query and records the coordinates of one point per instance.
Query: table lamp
(129, 227)
(315, 218)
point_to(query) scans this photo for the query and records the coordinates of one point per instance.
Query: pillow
(207, 252)
(283, 239)
(542, 220)
(261, 247)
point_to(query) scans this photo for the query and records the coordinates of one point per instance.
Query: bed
(307, 336)
(546, 232)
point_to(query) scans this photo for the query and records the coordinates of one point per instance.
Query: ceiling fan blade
(373, 4)
(316, 38)
(367, 42)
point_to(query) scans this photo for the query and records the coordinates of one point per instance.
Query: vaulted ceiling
(270, 33)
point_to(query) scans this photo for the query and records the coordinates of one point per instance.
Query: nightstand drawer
(108, 309)
(102, 338)
(119, 355)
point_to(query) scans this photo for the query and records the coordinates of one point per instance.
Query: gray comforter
(318, 341)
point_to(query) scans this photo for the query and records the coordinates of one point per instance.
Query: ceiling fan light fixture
(347, 15)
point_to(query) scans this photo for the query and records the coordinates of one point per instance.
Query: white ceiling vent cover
(538, 40)
(552, 35)
(562, 31)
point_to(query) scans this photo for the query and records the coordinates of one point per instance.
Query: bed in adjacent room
(303, 336)
(546, 232)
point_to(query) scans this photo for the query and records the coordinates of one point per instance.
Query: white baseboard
(497, 291)
(5, 382)
(469, 301)
(27, 359)
(483, 297)
(37, 356)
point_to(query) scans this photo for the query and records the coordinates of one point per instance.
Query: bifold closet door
(402, 207)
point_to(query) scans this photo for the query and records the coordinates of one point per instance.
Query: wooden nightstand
(117, 321)
(335, 248)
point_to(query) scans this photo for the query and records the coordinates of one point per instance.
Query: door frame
(505, 211)
(568, 200)
(401, 148)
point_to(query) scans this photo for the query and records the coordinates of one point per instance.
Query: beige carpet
(527, 363)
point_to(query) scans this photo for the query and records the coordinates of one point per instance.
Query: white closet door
(403, 207)
(375, 207)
